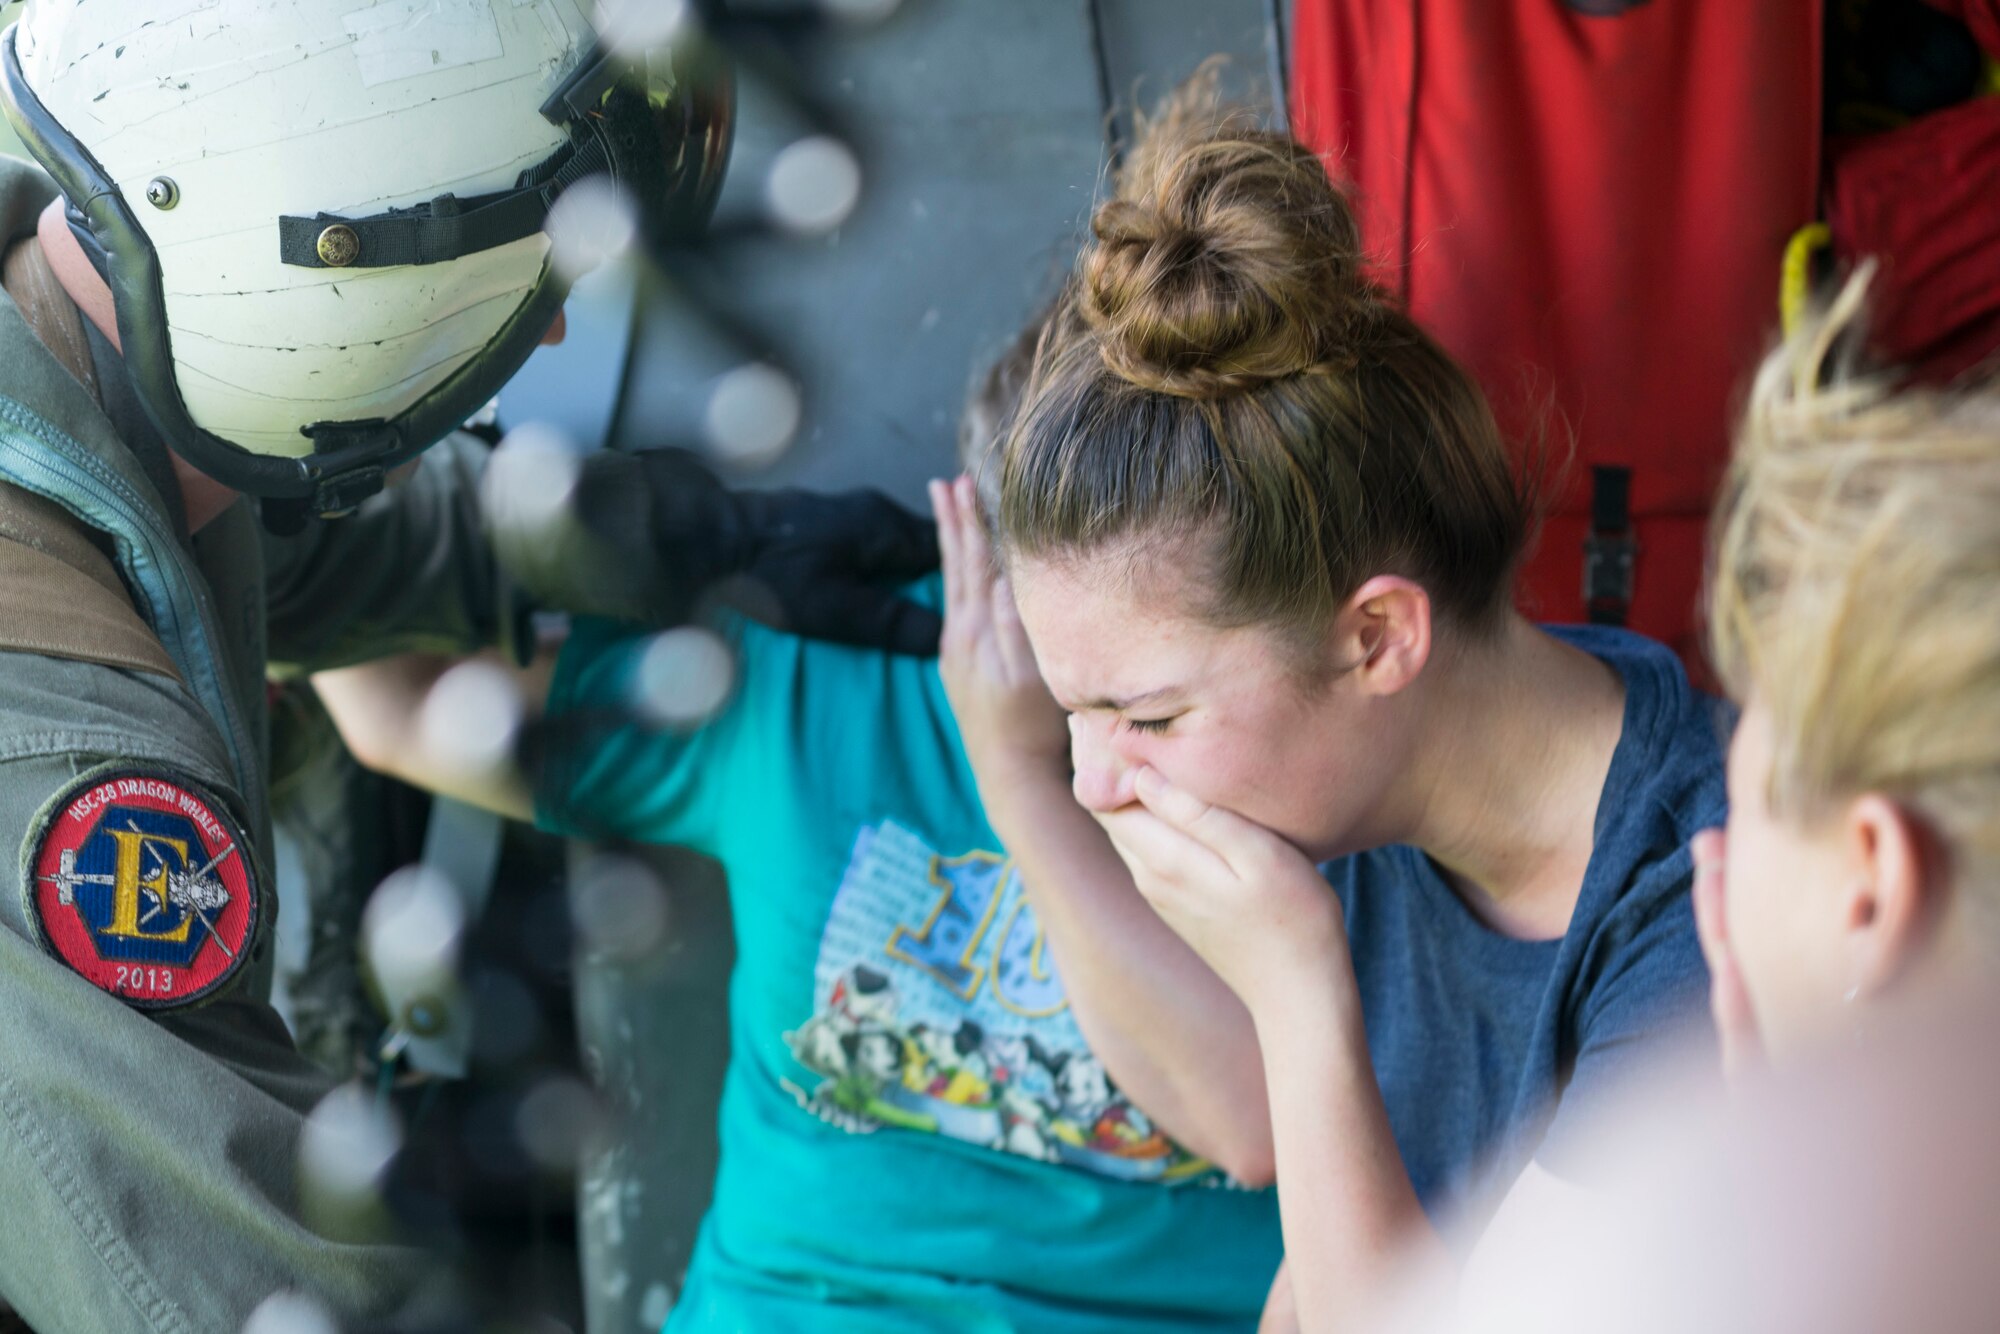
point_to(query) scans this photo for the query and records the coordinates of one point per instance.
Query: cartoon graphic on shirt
(939, 1010)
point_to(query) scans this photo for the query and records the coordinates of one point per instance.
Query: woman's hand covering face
(1251, 904)
(1006, 716)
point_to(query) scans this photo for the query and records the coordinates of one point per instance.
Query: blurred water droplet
(655, 1305)
(348, 1143)
(555, 1120)
(410, 933)
(684, 676)
(620, 907)
(813, 185)
(589, 225)
(530, 479)
(290, 1313)
(470, 718)
(631, 28)
(753, 414)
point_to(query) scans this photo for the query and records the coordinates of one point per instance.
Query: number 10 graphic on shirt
(947, 945)
(938, 1009)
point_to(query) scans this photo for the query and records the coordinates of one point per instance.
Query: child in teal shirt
(916, 1134)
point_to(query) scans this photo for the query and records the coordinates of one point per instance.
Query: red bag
(1924, 201)
(1589, 211)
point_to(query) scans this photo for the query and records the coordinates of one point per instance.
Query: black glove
(651, 535)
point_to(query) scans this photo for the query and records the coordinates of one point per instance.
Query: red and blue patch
(143, 885)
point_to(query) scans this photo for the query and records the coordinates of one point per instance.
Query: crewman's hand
(649, 535)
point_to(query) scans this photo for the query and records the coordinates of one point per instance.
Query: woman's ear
(1384, 634)
(1894, 896)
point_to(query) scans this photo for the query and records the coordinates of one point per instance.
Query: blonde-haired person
(1854, 606)
(1262, 533)
(1850, 918)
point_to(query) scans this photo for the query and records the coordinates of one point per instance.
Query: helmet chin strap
(79, 231)
(202, 497)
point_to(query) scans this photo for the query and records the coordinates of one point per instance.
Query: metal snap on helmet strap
(609, 108)
(445, 228)
(597, 103)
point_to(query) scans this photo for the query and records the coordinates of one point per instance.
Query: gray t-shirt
(1487, 1047)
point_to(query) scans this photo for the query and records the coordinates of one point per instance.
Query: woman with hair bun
(1262, 533)
(925, 1125)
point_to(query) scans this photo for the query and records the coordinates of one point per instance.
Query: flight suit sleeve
(150, 1165)
(149, 1158)
(410, 571)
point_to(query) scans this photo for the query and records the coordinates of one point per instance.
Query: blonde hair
(1221, 376)
(1854, 587)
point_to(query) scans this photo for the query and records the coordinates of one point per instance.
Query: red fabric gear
(1590, 213)
(1921, 200)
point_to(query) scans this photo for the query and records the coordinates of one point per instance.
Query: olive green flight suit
(148, 1159)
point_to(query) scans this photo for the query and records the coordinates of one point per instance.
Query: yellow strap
(1795, 278)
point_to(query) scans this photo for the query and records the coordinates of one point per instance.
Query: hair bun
(1228, 259)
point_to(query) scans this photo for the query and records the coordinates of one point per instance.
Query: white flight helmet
(322, 223)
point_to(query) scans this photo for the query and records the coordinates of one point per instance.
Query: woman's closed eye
(1153, 725)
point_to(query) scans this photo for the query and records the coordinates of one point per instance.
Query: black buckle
(1610, 552)
(1608, 563)
(344, 492)
(346, 462)
(331, 498)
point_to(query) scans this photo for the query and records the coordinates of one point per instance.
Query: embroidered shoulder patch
(142, 884)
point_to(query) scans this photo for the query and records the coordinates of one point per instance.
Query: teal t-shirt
(915, 1135)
